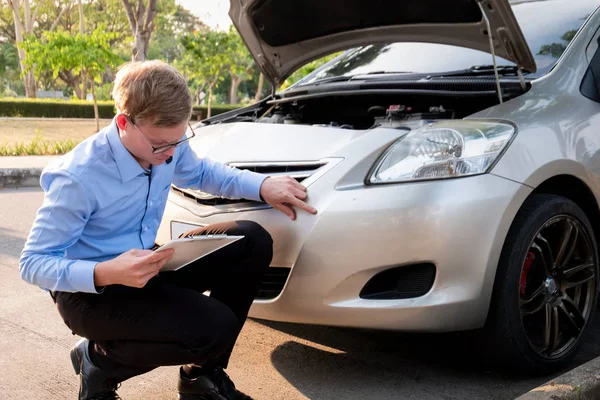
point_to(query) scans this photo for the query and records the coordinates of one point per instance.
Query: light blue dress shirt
(99, 203)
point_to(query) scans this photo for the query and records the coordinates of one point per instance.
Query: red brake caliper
(526, 267)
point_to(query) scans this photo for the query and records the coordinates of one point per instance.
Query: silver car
(452, 151)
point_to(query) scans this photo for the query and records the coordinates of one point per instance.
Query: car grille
(273, 282)
(297, 170)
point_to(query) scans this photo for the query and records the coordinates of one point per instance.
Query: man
(89, 245)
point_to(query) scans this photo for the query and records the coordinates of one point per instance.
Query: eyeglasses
(162, 149)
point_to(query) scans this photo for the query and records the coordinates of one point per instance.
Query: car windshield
(548, 27)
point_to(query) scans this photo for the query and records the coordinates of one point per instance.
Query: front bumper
(459, 225)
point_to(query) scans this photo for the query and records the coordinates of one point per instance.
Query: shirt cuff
(252, 183)
(82, 277)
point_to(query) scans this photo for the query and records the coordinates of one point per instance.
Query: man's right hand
(133, 268)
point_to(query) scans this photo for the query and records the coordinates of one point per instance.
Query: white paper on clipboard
(188, 250)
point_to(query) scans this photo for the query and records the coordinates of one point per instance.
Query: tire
(537, 321)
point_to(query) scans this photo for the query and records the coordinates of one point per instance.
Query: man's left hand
(284, 193)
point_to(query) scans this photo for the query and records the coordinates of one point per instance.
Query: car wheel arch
(565, 185)
(576, 190)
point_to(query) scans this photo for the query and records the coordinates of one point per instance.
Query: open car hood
(283, 35)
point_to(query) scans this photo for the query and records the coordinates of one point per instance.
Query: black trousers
(170, 321)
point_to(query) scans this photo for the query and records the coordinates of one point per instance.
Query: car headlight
(445, 149)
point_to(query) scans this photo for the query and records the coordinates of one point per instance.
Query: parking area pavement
(271, 360)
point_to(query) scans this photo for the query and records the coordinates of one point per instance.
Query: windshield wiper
(388, 72)
(504, 69)
(357, 76)
(485, 70)
(339, 78)
(342, 78)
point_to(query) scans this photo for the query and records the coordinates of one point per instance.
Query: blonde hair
(152, 91)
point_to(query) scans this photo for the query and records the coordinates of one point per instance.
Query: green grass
(38, 147)
(20, 137)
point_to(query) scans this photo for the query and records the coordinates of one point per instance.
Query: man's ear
(121, 121)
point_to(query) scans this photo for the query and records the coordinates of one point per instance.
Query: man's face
(141, 138)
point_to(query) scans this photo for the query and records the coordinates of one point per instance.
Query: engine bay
(395, 104)
(368, 112)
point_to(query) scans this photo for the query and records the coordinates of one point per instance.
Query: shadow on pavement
(360, 364)
(11, 243)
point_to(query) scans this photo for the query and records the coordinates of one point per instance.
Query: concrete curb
(22, 171)
(581, 383)
(19, 177)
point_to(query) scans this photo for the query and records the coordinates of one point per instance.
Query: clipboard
(188, 250)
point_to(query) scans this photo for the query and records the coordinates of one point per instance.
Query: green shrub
(53, 108)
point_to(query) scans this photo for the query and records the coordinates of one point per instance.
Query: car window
(548, 26)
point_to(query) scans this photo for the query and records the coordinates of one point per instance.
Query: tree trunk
(82, 32)
(72, 81)
(81, 20)
(208, 113)
(84, 86)
(20, 29)
(95, 106)
(197, 96)
(233, 90)
(198, 92)
(140, 48)
(141, 23)
(78, 92)
(261, 82)
(30, 85)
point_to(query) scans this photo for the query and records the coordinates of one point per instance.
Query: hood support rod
(522, 80)
(489, 29)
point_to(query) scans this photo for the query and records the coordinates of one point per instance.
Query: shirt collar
(128, 166)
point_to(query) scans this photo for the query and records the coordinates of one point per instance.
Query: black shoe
(212, 385)
(94, 384)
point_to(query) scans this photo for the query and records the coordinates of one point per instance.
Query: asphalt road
(270, 361)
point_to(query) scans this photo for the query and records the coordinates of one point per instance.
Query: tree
(240, 62)
(24, 26)
(25, 17)
(141, 22)
(9, 62)
(62, 51)
(204, 62)
(309, 68)
(53, 14)
(49, 15)
(7, 26)
(108, 14)
(556, 49)
(211, 57)
(82, 32)
(172, 22)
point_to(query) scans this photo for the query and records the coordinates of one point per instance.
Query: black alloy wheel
(557, 286)
(545, 291)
